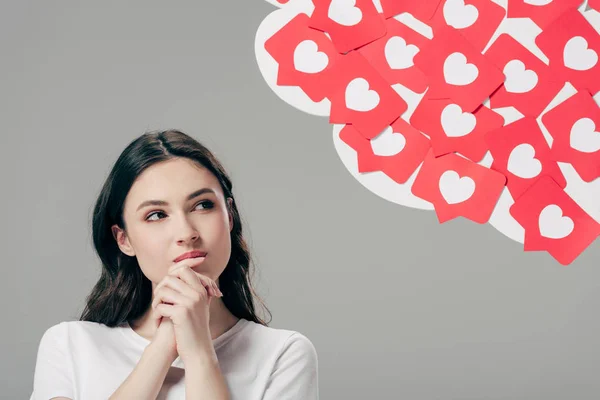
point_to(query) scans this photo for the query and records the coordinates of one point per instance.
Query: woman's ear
(122, 240)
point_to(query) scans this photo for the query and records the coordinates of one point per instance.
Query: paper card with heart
(350, 23)
(305, 57)
(397, 151)
(422, 10)
(362, 97)
(575, 128)
(393, 55)
(476, 20)
(456, 70)
(553, 221)
(529, 84)
(458, 187)
(572, 46)
(522, 154)
(453, 130)
(542, 12)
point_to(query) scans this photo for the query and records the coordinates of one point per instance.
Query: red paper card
(553, 221)
(529, 84)
(542, 12)
(572, 46)
(456, 70)
(305, 56)
(575, 128)
(362, 97)
(397, 151)
(393, 55)
(452, 130)
(422, 9)
(521, 153)
(458, 187)
(350, 23)
(477, 20)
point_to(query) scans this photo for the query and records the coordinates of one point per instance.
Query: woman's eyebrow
(164, 203)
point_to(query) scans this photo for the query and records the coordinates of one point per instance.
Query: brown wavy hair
(123, 293)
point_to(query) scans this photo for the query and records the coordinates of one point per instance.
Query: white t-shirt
(84, 360)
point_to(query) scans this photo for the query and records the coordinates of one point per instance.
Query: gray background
(397, 305)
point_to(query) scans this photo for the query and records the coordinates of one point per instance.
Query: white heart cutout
(522, 162)
(458, 15)
(398, 54)
(577, 55)
(518, 79)
(388, 142)
(344, 12)
(584, 136)
(537, 2)
(455, 189)
(308, 58)
(457, 71)
(552, 223)
(359, 97)
(457, 123)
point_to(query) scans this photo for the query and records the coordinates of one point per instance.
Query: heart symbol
(308, 58)
(457, 123)
(577, 56)
(455, 189)
(553, 224)
(388, 142)
(359, 97)
(518, 78)
(398, 54)
(458, 15)
(344, 12)
(584, 136)
(537, 2)
(522, 162)
(457, 71)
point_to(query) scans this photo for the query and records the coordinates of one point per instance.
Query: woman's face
(159, 233)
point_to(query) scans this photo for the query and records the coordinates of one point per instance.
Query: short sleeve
(295, 374)
(53, 375)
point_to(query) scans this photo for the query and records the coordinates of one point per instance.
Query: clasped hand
(184, 297)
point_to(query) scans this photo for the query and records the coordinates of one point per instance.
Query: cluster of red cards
(348, 52)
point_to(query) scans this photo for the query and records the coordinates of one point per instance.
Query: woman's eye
(207, 205)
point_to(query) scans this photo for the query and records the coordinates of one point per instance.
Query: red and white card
(477, 20)
(458, 187)
(305, 56)
(422, 10)
(453, 130)
(393, 55)
(350, 23)
(362, 97)
(573, 48)
(542, 12)
(553, 221)
(529, 84)
(397, 151)
(457, 70)
(575, 127)
(521, 153)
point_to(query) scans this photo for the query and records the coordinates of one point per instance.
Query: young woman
(172, 315)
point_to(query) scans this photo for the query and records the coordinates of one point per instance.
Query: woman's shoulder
(68, 330)
(285, 339)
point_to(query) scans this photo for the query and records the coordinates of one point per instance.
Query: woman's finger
(168, 295)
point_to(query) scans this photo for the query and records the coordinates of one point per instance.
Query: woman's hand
(183, 296)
